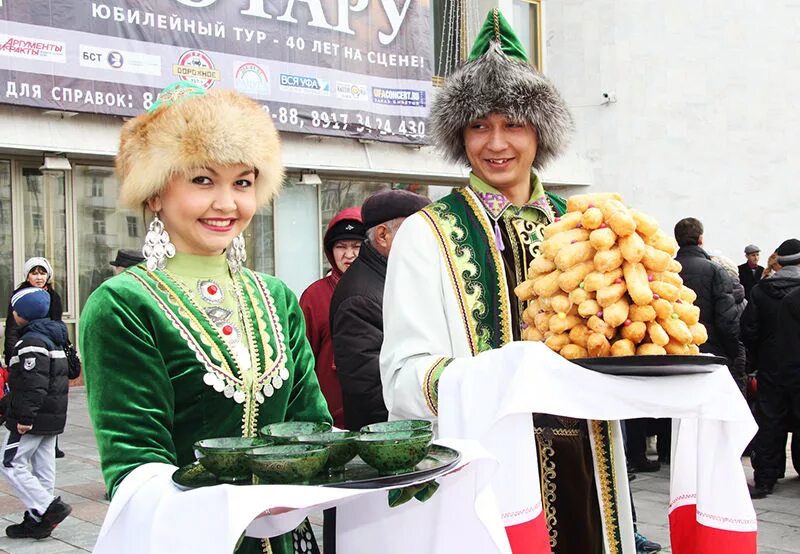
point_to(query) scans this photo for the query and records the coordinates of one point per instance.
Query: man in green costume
(458, 262)
(191, 344)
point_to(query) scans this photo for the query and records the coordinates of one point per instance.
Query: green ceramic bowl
(341, 447)
(398, 425)
(225, 457)
(281, 433)
(394, 452)
(287, 463)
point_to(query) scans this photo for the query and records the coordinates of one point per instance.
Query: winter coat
(714, 289)
(357, 331)
(748, 278)
(12, 331)
(739, 367)
(316, 305)
(760, 319)
(788, 333)
(37, 378)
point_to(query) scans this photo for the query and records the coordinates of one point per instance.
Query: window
(527, 23)
(37, 222)
(97, 187)
(133, 226)
(6, 242)
(99, 223)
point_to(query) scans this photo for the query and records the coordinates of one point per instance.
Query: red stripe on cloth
(690, 537)
(529, 537)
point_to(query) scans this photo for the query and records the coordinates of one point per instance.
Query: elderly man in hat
(760, 333)
(449, 299)
(750, 272)
(357, 308)
(125, 259)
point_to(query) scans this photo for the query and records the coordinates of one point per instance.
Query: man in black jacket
(750, 272)
(357, 308)
(763, 333)
(714, 289)
(36, 412)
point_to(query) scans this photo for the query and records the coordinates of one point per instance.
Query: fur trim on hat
(496, 83)
(220, 127)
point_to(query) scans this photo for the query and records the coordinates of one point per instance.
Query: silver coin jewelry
(237, 255)
(157, 246)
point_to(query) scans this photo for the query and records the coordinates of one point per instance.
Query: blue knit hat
(31, 303)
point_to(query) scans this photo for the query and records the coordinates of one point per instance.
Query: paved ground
(79, 483)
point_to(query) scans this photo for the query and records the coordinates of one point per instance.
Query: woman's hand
(22, 429)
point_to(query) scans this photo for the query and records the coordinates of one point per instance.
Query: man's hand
(22, 429)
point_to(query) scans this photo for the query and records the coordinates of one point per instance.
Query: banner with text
(353, 68)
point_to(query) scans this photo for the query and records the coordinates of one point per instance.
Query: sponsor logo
(120, 60)
(196, 67)
(351, 91)
(29, 364)
(306, 85)
(251, 79)
(398, 96)
(15, 46)
(115, 59)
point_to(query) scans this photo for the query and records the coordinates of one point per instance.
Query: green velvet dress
(192, 352)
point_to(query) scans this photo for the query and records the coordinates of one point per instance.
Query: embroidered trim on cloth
(245, 387)
(461, 266)
(605, 473)
(430, 384)
(496, 204)
(547, 468)
(504, 299)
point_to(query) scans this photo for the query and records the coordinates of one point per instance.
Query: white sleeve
(416, 338)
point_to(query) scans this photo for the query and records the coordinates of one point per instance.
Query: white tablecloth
(149, 515)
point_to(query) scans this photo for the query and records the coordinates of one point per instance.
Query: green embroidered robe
(147, 384)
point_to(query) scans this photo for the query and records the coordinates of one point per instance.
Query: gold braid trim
(547, 471)
(605, 472)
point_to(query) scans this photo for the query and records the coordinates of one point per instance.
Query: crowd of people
(752, 314)
(414, 288)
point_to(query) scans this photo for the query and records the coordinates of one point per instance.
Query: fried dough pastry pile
(605, 284)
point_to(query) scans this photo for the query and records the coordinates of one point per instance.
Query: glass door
(44, 224)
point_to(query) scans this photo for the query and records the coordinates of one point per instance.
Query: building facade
(68, 211)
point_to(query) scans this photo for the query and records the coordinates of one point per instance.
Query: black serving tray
(357, 474)
(651, 366)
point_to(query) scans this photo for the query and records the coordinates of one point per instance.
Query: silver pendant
(268, 390)
(239, 397)
(210, 291)
(277, 382)
(217, 314)
(284, 374)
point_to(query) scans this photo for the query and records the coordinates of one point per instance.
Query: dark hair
(688, 231)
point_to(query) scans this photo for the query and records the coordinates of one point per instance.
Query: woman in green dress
(191, 344)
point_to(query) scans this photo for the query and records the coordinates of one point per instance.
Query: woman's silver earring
(237, 255)
(157, 246)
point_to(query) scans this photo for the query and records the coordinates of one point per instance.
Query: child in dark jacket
(36, 412)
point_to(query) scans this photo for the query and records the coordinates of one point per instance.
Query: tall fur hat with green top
(497, 78)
